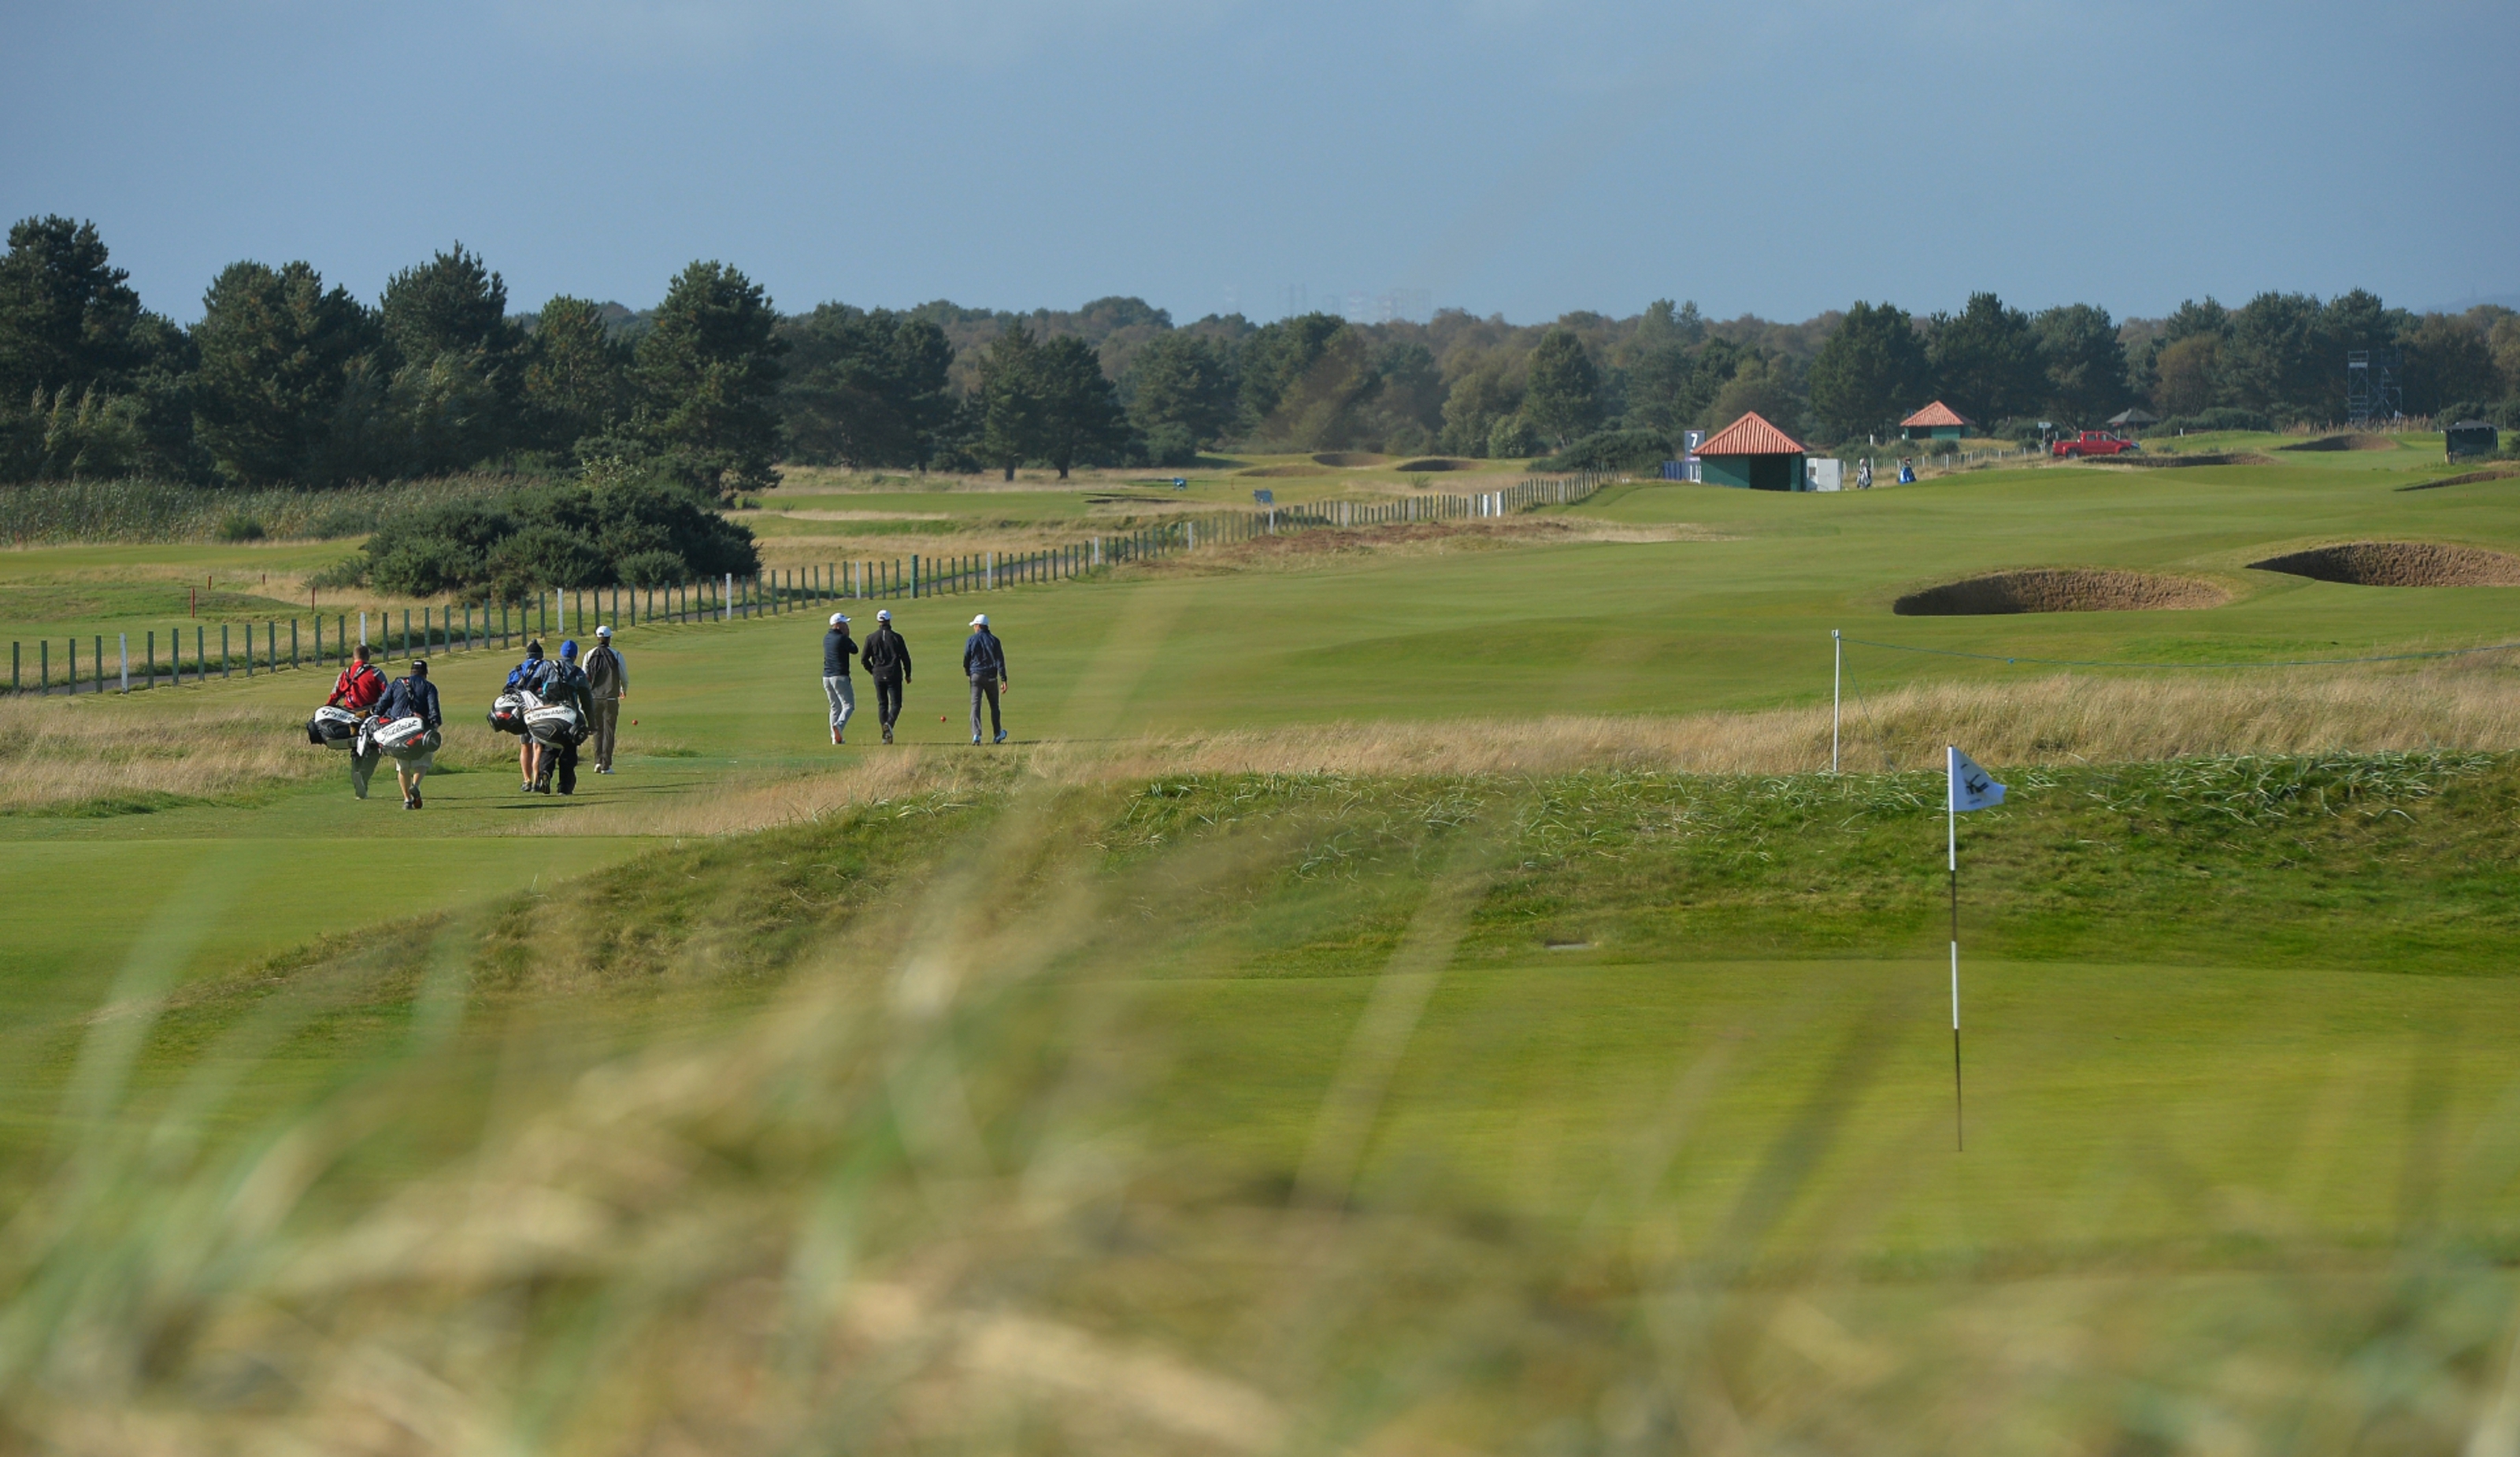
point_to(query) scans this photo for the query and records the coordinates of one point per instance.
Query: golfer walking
(837, 648)
(887, 659)
(607, 678)
(413, 696)
(984, 662)
(357, 689)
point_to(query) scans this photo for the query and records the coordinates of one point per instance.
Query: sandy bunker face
(2357, 441)
(2400, 564)
(2072, 589)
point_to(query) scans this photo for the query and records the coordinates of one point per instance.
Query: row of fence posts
(729, 598)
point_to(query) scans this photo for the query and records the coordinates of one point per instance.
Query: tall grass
(51, 513)
(915, 1204)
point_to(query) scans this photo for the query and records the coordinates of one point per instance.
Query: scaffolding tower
(2371, 390)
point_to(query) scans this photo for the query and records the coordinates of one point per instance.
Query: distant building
(2470, 437)
(1939, 422)
(1754, 455)
(2129, 422)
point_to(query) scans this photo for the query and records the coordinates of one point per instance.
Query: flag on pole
(1972, 787)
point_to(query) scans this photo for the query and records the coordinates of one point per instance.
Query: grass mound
(2400, 564)
(1279, 473)
(2061, 590)
(1437, 463)
(1349, 460)
(1198, 1114)
(2200, 458)
(2471, 478)
(2350, 441)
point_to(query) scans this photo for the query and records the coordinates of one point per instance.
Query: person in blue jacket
(413, 697)
(984, 662)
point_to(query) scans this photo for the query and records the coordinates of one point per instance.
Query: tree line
(286, 380)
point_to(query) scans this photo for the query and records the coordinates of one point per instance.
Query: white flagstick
(1951, 850)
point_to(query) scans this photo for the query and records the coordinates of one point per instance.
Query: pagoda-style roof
(1935, 414)
(1752, 435)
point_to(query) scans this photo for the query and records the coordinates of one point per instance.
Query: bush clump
(239, 526)
(645, 532)
(1612, 450)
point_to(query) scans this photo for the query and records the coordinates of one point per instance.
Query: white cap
(982, 620)
(838, 617)
(604, 633)
(883, 615)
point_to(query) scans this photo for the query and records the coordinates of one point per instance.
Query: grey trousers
(608, 728)
(984, 688)
(363, 766)
(844, 695)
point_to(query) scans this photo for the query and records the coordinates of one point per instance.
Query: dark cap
(419, 666)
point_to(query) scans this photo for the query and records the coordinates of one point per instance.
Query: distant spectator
(837, 648)
(607, 678)
(887, 659)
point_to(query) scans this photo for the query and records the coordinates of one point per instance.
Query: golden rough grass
(2056, 719)
(62, 751)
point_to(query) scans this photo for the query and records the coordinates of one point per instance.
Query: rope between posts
(2264, 662)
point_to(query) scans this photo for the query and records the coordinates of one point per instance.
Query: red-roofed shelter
(1938, 421)
(1752, 454)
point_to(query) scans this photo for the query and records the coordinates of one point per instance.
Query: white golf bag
(333, 728)
(508, 714)
(556, 724)
(404, 738)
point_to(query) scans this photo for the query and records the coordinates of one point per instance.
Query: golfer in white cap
(837, 648)
(607, 680)
(984, 662)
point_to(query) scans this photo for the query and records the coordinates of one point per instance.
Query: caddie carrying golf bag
(556, 724)
(508, 714)
(404, 738)
(333, 728)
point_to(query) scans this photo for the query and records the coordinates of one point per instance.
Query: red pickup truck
(2091, 443)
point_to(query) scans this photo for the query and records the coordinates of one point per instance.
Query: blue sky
(1506, 156)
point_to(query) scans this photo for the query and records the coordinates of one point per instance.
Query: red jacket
(359, 687)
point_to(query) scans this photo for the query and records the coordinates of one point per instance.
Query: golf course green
(1085, 1007)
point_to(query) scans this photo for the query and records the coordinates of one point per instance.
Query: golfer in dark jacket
(413, 697)
(984, 662)
(837, 648)
(887, 659)
(565, 682)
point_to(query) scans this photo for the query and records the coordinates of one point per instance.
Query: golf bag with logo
(333, 728)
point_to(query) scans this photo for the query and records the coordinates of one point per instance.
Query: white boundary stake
(1836, 672)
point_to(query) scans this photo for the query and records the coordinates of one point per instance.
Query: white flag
(1972, 787)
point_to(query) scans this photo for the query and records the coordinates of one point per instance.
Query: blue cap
(568, 649)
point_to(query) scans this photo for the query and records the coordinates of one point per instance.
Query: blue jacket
(837, 648)
(407, 697)
(527, 674)
(983, 656)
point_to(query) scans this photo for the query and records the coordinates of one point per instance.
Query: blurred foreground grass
(1595, 1113)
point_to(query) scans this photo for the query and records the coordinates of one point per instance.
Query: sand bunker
(1349, 459)
(1438, 463)
(2400, 564)
(2356, 440)
(2072, 589)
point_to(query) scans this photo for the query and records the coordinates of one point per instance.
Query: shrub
(1612, 450)
(1513, 435)
(239, 526)
(653, 569)
(543, 556)
(1172, 445)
